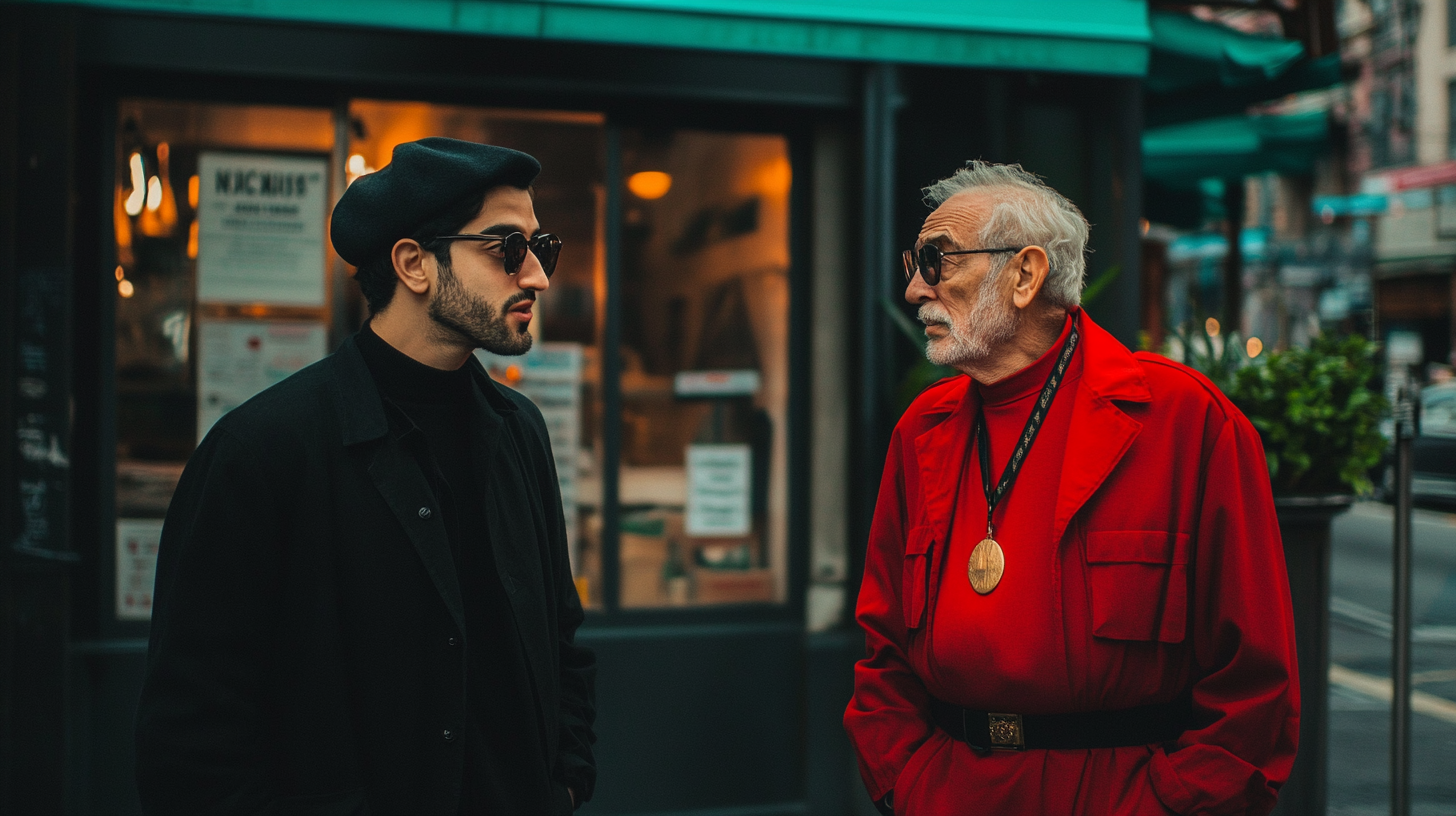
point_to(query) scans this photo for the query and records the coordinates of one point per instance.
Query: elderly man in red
(1074, 598)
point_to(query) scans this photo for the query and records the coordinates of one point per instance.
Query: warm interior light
(124, 288)
(154, 193)
(194, 191)
(1211, 326)
(138, 186)
(192, 240)
(649, 184)
(1254, 346)
(120, 273)
(776, 177)
(513, 374)
(1145, 225)
(357, 166)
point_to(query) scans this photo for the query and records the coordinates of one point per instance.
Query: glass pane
(705, 258)
(561, 373)
(197, 329)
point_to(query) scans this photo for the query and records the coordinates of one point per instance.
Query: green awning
(1082, 36)
(1190, 53)
(1209, 102)
(1179, 156)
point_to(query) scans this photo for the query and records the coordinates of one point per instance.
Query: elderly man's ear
(1031, 275)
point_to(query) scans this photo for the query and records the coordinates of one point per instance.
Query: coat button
(453, 642)
(424, 512)
(448, 735)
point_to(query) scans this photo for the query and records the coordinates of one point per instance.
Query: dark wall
(38, 276)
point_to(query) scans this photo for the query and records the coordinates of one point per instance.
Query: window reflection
(704, 368)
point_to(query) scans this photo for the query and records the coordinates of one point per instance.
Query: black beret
(422, 179)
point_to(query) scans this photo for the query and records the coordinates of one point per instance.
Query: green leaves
(1317, 415)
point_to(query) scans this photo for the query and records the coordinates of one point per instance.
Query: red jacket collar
(1108, 370)
(1099, 435)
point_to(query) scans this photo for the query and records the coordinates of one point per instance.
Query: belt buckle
(1006, 732)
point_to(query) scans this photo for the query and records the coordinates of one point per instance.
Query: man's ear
(409, 265)
(1031, 274)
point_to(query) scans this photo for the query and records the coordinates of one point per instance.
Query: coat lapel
(404, 488)
(1100, 433)
(395, 473)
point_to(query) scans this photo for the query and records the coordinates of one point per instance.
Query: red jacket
(1172, 577)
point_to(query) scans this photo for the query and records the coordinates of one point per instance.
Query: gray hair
(1029, 213)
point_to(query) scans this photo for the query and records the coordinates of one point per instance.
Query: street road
(1360, 609)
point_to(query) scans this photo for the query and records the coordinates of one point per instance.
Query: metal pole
(1400, 663)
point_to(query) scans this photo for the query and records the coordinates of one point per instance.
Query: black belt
(985, 730)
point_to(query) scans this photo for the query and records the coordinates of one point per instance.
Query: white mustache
(933, 313)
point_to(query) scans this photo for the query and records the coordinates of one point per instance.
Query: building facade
(733, 182)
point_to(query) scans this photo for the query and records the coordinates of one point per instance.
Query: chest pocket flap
(919, 548)
(1139, 584)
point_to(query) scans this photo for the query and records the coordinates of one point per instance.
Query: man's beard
(470, 317)
(990, 322)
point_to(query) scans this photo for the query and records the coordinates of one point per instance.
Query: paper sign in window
(136, 566)
(260, 228)
(238, 358)
(719, 495)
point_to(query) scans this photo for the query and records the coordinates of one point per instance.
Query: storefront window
(224, 287)
(705, 294)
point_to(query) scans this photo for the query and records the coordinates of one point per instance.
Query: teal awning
(1179, 156)
(1191, 53)
(1200, 70)
(1083, 36)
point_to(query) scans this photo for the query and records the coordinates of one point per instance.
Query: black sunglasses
(926, 260)
(545, 246)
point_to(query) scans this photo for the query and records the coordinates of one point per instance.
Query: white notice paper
(719, 477)
(238, 358)
(260, 229)
(136, 566)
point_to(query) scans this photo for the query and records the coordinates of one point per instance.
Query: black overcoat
(308, 638)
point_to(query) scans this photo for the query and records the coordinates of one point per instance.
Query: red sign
(1429, 175)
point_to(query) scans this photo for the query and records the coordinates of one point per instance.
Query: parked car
(1434, 450)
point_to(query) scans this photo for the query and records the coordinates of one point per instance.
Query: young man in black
(364, 602)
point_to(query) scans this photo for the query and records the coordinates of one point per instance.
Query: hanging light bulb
(154, 193)
(160, 217)
(138, 195)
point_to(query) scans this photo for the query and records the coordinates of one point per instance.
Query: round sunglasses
(927, 259)
(545, 246)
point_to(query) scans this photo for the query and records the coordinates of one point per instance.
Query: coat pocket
(1139, 585)
(919, 546)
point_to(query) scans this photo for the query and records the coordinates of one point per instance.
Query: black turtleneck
(505, 761)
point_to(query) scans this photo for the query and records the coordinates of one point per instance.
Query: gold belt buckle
(1006, 732)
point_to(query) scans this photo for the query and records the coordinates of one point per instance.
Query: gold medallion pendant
(986, 566)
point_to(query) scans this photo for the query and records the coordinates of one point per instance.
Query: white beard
(989, 323)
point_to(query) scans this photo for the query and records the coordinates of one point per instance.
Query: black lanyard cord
(1028, 434)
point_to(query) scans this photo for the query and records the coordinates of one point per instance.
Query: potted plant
(1319, 422)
